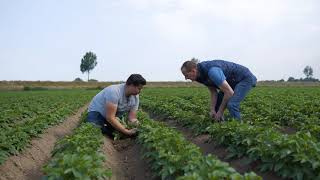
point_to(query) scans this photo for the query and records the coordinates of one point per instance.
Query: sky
(45, 40)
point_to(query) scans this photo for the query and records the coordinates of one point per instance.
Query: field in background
(43, 85)
(280, 133)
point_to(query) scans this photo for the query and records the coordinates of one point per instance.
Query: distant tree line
(308, 72)
(80, 80)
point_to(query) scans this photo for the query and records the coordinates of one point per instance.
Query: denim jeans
(240, 91)
(97, 119)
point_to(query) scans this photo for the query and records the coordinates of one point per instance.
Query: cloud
(255, 11)
(179, 27)
(185, 20)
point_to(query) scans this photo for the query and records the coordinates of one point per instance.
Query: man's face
(192, 75)
(134, 90)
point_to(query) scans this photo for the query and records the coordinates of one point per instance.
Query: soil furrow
(28, 163)
(208, 146)
(124, 158)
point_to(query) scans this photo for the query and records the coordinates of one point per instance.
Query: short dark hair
(136, 80)
(189, 65)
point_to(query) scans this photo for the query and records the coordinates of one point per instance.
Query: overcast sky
(45, 40)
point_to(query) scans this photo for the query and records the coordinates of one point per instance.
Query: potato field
(44, 136)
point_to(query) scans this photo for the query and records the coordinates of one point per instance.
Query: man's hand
(213, 113)
(219, 116)
(131, 132)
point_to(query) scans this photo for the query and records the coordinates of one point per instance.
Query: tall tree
(308, 71)
(88, 62)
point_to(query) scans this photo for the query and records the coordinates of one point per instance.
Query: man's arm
(111, 110)
(133, 116)
(133, 112)
(213, 95)
(228, 93)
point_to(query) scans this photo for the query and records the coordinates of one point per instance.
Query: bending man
(227, 82)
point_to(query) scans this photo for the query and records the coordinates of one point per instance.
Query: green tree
(88, 62)
(291, 79)
(308, 71)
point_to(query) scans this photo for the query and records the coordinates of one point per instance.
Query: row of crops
(173, 157)
(258, 137)
(24, 115)
(170, 155)
(79, 156)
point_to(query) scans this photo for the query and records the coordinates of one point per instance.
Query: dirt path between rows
(208, 146)
(124, 158)
(28, 163)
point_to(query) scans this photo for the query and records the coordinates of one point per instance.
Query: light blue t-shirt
(216, 75)
(114, 94)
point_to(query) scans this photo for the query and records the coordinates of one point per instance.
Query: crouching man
(115, 101)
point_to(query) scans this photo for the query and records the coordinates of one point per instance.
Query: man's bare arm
(213, 100)
(133, 118)
(111, 110)
(228, 93)
(132, 115)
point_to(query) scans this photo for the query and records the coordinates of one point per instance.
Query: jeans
(240, 91)
(97, 119)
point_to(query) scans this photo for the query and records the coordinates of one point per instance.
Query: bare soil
(28, 163)
(124, 158)
(288, 130)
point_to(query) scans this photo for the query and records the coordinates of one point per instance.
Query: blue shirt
(222, 70)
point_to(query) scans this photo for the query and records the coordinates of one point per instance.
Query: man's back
(114, 94)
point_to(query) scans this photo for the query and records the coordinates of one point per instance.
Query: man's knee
(234, 109)
(233, 106)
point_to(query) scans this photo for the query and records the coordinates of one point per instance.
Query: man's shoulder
(215, 72)
(114, 87)
(211, 63)
(113, 90)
